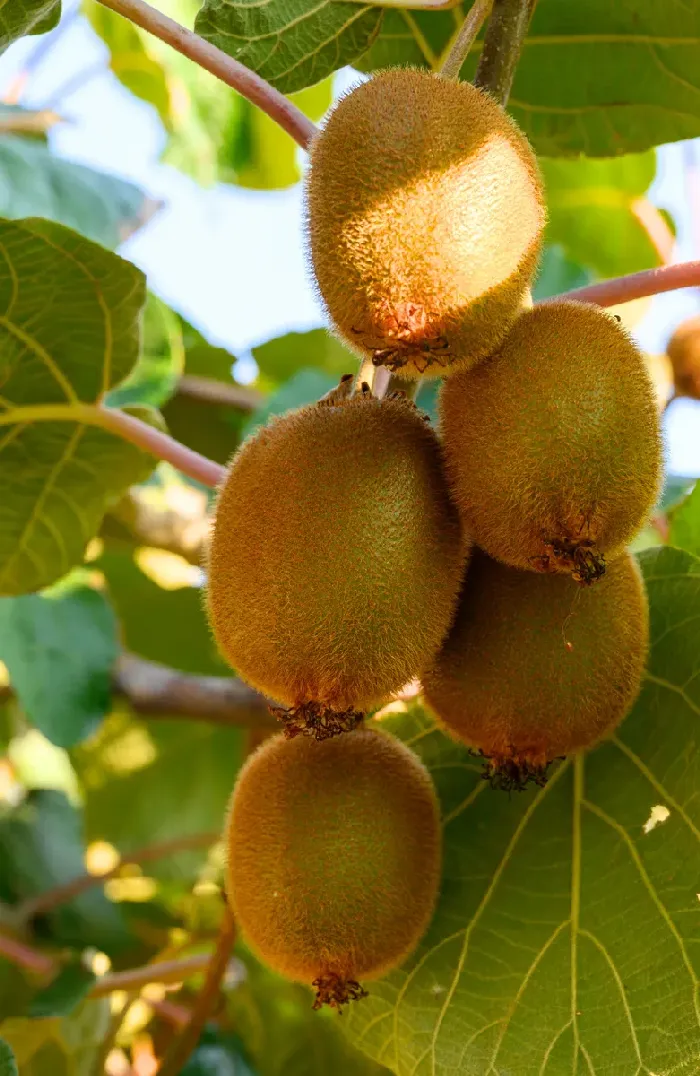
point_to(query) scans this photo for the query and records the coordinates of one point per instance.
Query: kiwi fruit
(425, 213)
(683, 349)
(552, 445)
(335, 558)
(333, 858)
(536, 667)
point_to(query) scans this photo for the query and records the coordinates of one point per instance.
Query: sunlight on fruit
(168, 570)
(100, 857)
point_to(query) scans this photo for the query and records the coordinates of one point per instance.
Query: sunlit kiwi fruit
(333, 858)
(537, 667)
(552, 445)
(425, 216)
(335, 558)
(683, 349)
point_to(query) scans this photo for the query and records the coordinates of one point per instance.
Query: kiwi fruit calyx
(335, 991)
(314, 719)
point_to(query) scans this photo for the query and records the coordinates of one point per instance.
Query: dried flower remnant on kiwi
(425, 219)
(335, 991)
(304, 595)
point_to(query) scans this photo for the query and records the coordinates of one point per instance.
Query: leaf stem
(465, 38)
(504, 39)
(169, 971)
(188, 1038)
(26, 957)
(223, 67)
(623, 289)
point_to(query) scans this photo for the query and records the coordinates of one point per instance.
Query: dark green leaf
(20, 17)
(304, 387)
(147, 783)
(37, 184)
(69, 331)
(685, 523)
(218, 1054)
(154, 378)
(558, 274)
(8, 1065)
(564, 937)
(278, 359)
(60, 650)
(592, 208)
(65, 993)
(292, 45)
(41, 846)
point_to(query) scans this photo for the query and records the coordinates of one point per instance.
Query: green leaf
(37, 184)
(56, 1046)
(292, 45)
(131, 59)
(20, 17)
(304, 387)
(595, 77)
(65, 993)
(147, 783)
(154, 378)
(278, 359)
(69, 332)
(685, 523)
(60, 651)
(592, 207)
(564, 940)
(8, 1065)
(42, 846)
(557, 274)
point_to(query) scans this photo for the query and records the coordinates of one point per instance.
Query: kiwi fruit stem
(460, 46)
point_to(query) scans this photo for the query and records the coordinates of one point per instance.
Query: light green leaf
(69, 332)
(20, 17)
(8, 1065)
(557, 274)
(154, 378)
(595, 77)
(278, 359)
(131, 59)
(565, 938)
(594, 209)
(57, 1046)
(37, 184)
(292, 45)
(685, 522)
(304, 387)
(65, 993)
(60, 651)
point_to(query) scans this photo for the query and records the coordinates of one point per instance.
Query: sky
(232, 260)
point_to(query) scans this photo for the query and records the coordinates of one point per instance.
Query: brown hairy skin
(683, 350)
(536, 667)
(425, 214)
(552, 445)
(333, 858)
(335, 558)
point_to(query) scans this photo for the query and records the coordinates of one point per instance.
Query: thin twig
(168, 971)
(61, 894)
(186, 1042)
(209, 390)
(26, 957)
(504, 39)
(223, 67)
(623, 289)
(466, 36)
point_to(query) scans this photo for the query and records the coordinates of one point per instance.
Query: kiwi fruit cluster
(355, 549)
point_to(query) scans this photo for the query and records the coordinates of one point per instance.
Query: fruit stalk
(504, 39)
(466, 36)
(223, 67)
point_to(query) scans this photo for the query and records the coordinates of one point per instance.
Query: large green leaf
(304, 387)
(69, 331)
(283, 356)
(37, 184)
(8, 1065)
(131, 58)
(593, 211)
(291, 44)
(41, 846)
(154, 378)
(685, 522)
(56, 1046)
(565, 938)
(20, 17)
(595, 77)
(60, 650)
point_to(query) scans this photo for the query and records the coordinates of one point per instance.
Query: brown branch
(623, 289)
(186, 1042)
(61, 894)
(223, 67)
(209, 390)
(464, 39)
(168, 971)
(503, 43)
(25, 957)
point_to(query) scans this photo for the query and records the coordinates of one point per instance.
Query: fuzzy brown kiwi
(683, 349)
(425, 214)
(333, 858)
(335, 558)
(552, 445)
(536, 667)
